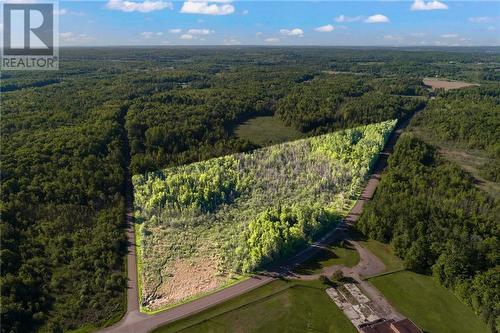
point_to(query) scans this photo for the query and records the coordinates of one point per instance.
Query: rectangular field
(202, 225)
(431, 306)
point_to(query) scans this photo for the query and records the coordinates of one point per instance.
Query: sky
(330, 23)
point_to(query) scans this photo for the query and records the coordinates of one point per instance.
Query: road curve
(136, 322)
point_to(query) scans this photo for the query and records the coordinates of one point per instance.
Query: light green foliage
(276, 232)
(200, 187)
(246, 210)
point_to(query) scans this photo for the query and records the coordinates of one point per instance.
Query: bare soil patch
(190, 277)
(446, 84)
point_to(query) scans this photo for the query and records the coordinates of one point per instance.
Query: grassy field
(446, 84)
(266, 130)
(385, 253)
(335, 254)
(201, 225)
(280, 306)
(428, 304)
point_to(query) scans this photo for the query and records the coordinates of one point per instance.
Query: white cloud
(219, 7)
(186, 37)
(491, 28)
(343, 18)
(480, 19)
(325, 28)
(64, 11)
(61, 12)
(143, 7)
(449, 36)
(199, 32)
(232, 41)
(294, 32)
(175, 31)
(418, 34)
(258, 33)
(377, 18)
(71, 37)
(272, 40)
(394, 38)
(245, 12)
(429, 5)
(147, 34)
(1, 27)
(66, 35)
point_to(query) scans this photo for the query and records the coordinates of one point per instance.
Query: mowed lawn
(266, 130)
(431, 306)
(336, 254)
(280, 306)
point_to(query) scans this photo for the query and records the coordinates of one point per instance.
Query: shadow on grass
(323, 258)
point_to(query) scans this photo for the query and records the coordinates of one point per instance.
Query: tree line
(436, 219)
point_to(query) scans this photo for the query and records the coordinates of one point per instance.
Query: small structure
(361, 312)
(355, 305)
(390, 326)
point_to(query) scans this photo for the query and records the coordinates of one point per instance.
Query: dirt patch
(188, 278)
(446, 84)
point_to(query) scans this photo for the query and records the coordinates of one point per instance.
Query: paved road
(136, 322)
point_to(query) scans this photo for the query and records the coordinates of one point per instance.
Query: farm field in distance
(436, 83)
(202, 224)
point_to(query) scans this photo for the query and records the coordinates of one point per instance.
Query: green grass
(431, 306)
(266, 130)
(335, 254)
(385, 253)
(280, 306)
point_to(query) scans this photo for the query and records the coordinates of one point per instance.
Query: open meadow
(266, 130)
(204, 224)
(430, 305)
(281, 306)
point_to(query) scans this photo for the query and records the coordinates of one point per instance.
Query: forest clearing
(203, 225)
(435, 83)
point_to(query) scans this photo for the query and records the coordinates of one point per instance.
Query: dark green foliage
(467, 118)
(439, 222)
(62, 211)
(340, 101)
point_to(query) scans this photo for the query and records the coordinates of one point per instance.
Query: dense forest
(67, 135)
(432, 211)
(468, 119)
(439, 222)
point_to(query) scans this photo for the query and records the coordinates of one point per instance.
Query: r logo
(28, 29)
